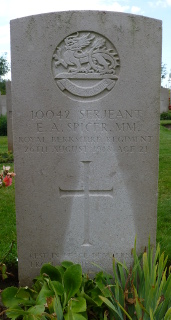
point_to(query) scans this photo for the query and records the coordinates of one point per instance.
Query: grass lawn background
(3, 144)
(164, 190)
(7, 202)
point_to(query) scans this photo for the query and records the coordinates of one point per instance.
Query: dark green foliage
(165, 115)
(163, 71)
(3, 125)
(10, 258)
(4, 65)
(3, 87)
(6, 157)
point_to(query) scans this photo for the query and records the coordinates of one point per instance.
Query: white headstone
(3, 104)
(164, 100)
(86, 105)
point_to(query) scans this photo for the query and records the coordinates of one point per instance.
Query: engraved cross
(86, 193)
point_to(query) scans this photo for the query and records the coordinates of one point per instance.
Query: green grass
(163, 122)
(7, 201)
(8, 221)
(3, 144)
(164, 190)
(8, 236)
(5, 155)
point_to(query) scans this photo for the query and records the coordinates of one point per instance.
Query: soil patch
(11, 281)
(168, 126)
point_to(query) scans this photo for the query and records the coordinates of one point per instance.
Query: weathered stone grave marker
(86, 129)
(3, 105)
(164, 100)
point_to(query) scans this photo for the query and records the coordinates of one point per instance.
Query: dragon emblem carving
(85, 56)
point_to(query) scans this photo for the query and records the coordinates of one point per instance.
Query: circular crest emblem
(85, 66)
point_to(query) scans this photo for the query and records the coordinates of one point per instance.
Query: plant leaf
(74, 316)
(72, 280)
(78, 305)
(24, 297)
(166, 293)
(95, 293)
(66, 264)
(15, 312)
(51, 271)
(90, 301)
(110, 305)
(44, 293)
(36, 310)
(9, 297)
(151, 314)
(168, 314)
(3, 270)
(49, 304)
(57, 287)
(33, 317)
(58, 308)
(61, 270)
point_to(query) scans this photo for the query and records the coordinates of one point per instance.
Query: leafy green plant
(3, 125)
(3, 268)
(152, 290)
(165, 115)
(63, 292)
(3, 87)
(144, 292)
(163, 71)
(6, 157)
(4, 65)
(56, 294)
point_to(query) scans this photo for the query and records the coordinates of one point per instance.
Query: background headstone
(86, 106)
(9, 116)
(164, 100)
(3, 104)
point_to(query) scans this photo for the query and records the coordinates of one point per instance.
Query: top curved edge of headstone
(85, 12)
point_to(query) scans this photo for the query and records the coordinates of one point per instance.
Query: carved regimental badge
(85, 65)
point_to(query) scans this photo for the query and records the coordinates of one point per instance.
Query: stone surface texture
(9, 116)
(86, 106)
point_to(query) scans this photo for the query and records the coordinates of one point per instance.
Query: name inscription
(87, 114)
(92, 130)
